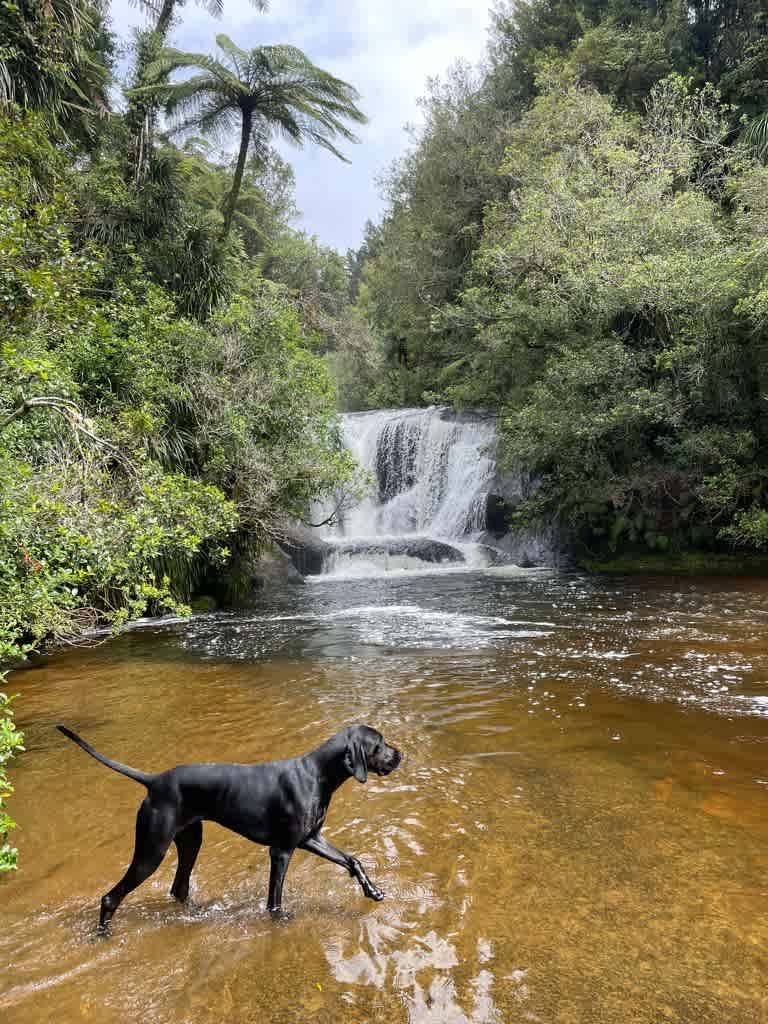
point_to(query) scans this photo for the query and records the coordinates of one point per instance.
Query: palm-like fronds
(215, 7)
(756, 137)
(142, 108)
(267, 90)
(50, 59)
(68, 13)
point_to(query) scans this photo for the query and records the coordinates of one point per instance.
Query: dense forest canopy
(163, 401)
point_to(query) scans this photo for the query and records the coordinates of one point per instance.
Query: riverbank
(689, 563)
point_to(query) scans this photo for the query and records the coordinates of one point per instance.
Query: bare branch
(69, 411)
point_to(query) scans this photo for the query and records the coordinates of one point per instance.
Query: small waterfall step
(426, 549)
(431, 471)
(436, 501)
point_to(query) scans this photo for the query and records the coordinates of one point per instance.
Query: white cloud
(387, 50)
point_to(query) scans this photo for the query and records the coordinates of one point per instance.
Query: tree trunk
(164, 18)
(231, 201)
(146, 106)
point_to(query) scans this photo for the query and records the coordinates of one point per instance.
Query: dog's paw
(374, 893)
(280, 915)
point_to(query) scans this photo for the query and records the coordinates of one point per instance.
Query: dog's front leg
(279, 861)
(322, 848)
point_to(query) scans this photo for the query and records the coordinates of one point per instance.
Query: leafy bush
(11, 741)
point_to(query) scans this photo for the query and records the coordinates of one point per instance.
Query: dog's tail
(145, 778)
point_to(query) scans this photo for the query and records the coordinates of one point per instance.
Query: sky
(387, 49)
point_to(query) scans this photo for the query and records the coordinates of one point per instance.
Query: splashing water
(432, 472)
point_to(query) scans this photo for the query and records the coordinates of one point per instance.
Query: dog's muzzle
(392, 761)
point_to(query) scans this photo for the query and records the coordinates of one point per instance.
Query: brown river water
(578, 832)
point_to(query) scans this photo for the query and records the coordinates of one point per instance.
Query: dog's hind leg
(154, 832)
(188, 842)
(279, 861)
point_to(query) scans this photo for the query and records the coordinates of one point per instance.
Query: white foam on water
(403, 610)
(431, 470)
(431, 474)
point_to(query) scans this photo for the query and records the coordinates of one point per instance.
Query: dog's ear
(355, 760)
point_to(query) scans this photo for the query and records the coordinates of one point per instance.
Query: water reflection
(578, 833)
(690, 642)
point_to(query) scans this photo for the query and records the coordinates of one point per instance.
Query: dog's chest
(315, 816)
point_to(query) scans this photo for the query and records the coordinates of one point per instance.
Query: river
(578, 832)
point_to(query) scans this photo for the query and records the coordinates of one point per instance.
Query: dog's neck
(329, 760)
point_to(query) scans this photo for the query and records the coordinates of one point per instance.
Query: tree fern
(756, 137)
(265, 91)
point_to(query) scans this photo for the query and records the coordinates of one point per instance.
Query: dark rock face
(423, 548)
(494, 555)
(273, 569)
(527, 549)
(497, 514)
(305, 549)
(248, 576)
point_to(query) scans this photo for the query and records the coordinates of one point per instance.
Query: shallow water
(578, 833)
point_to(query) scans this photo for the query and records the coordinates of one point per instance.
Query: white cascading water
(431, 473)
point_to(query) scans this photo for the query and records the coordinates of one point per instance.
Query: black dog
(281, 804)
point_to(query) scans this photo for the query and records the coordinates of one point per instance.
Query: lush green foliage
(87, 505)
(611, 299)
(55, 57)
(134, 440)
(577, 239)
(11, 741)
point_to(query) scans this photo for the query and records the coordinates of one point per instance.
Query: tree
(142, 108)
(165, 10)
(269, 89)
(619, 320)
(55, 57)
(423, 249)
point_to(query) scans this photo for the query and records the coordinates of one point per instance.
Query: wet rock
(423, 548)
(497, 514)
(305, 549)
(527, 549)
(249, 574)
(274, 568)
(494, 555)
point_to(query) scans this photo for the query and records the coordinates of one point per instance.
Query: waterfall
(431, 471)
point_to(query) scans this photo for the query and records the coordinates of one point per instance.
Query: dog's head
(366, 751)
